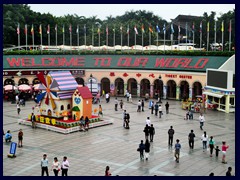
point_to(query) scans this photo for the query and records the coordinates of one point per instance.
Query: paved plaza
(91, 151)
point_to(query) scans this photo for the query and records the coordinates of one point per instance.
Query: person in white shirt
(56, 166)
(130, 97)
(204, 139)
(201, 120)
(65, 166)
(160, 110)
(148, 122)
(107, 97)
(139, 104)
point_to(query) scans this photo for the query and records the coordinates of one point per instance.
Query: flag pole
(114, 37)
(48, 35)
(157, 39)
(201, 34)
(92, 36)
(215, 34)
(193, 27)
(186, 34)
(85, 35)
(56, 34)
(63, 31)
(230, 34)
(207, 35)
(18, 32)
(26, 35)
(40, 32)
(222, 34)
(121, 36)
(128, 36)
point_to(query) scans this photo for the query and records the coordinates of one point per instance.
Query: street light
(160, 79)
(13, 84)
(91, 82)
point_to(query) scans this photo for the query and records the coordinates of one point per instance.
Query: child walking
(224, 151)
(20, 138)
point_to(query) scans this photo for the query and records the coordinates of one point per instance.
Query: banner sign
(147, 62)
(13, 148)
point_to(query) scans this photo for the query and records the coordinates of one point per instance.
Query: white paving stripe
(27, 169)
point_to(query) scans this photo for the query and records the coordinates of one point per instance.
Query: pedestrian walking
(139, 104)
(56, 167)
(177, 150)
(17, 98)
(82, 124)
(167, 107)
(191, 137)
(64, 166)
(116, 104)
(201, 120)
(130, 97)
(217, 151)
(121, 104)
(204, 139)
(152, 107)
(18, 108)
(141, 150)
(86, 123)
(107, 97)
(107, 171)
(151, 132)
(44, 165)
(124, 118)
(127, 95)
(142, 104)
(156, 109)
(170, 136)
(127, 120)
(100, 111)
(33, 120)
(224, 152)
(103, 93)
(20, 138)
(147, 149)
(229, 171)
(160, 110)
(211, 145)
(146, 131)
(148, 122)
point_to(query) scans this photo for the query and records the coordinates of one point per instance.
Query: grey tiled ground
(90, 152)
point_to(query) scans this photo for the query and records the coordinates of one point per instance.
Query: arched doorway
(23, 81)
(197, 89)
(80, 81)
(144, 87)
(158, 88)
(132, 86)
(105, 85)
(49, 112)
(184, 90)
(171, 89)
(119, 86)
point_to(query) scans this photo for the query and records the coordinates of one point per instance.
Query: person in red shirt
(224, 150)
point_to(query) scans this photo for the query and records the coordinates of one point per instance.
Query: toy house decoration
(82, 103)
(56, 97)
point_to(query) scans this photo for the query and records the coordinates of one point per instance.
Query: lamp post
(160, 79)
(91, 82)
(13, 84)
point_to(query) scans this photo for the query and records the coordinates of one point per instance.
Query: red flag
(18, 29)
(25, 29)
(48, 29)
(70, 28)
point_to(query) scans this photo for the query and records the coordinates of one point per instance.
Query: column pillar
(138, 90)
(227, 103)
(177, 92)
(165, 92)
(124, 89)
(190, 93)
(151, 90)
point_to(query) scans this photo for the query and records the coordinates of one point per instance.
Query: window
(68, 106)
(62, 107)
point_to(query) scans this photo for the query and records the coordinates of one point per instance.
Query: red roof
(84, 92)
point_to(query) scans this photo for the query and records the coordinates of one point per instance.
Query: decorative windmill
(50, 87)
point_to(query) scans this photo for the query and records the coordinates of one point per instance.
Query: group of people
(56, 166)
(84, 123)
(157, 107)
(8, 137)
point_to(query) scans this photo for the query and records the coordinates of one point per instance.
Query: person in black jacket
(146, 131)
(151, 132)
(142, 104)
(191, 137)
(141, 149)
(170, 136)
(147, 149)
(167, 108)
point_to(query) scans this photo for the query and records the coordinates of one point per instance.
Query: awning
(213, 94)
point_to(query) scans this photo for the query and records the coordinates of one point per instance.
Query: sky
(165, 11)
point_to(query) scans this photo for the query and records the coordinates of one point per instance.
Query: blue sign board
(13, 148)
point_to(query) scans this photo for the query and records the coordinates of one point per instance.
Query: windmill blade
(41, 87)
(49, 80)
(54, 85)
(52, 102)
(40, 96)
(47, 100)
(41, 78)
(54, 93)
